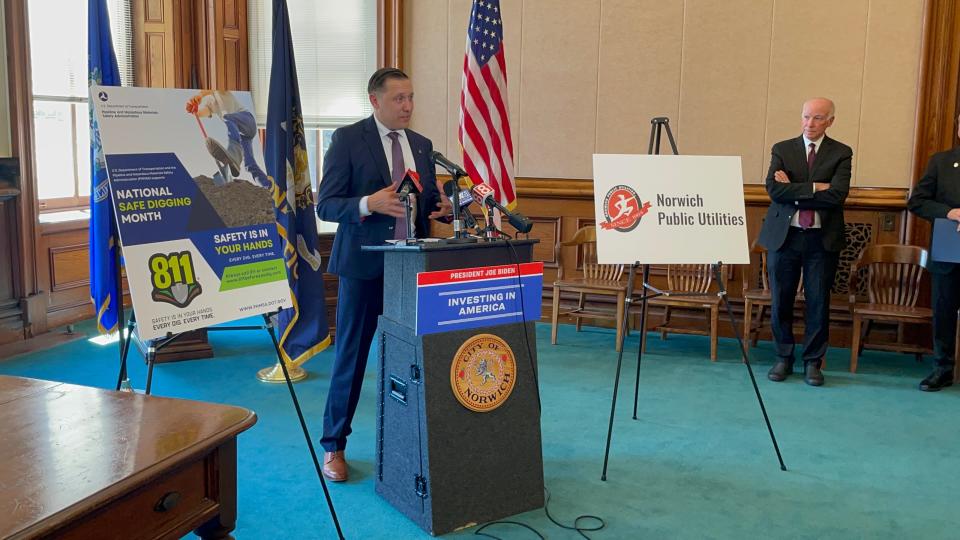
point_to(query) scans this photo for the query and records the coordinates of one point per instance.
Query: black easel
(268, 325)
(656, 126)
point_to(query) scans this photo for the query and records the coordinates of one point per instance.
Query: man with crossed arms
(808, 182)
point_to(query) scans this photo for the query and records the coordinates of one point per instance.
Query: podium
(440, 463)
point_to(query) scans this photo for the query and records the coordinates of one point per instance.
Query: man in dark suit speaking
(803, 232)
(361, 170)
(937, 195)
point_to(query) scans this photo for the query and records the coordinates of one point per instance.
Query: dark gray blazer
(832, 166)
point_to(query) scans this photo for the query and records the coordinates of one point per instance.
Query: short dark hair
(379, 78)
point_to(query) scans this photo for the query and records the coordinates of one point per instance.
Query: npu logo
(622, 209)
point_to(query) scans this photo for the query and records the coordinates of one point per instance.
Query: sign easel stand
(268, 325)
(656, 127)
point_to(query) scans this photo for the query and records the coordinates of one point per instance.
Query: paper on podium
(946, 241)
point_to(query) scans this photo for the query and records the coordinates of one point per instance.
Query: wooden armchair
(756, 294)
(893, 286)
(598, 279)
(690, 278)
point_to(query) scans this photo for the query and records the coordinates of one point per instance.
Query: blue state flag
(102, 69)
(303, 327)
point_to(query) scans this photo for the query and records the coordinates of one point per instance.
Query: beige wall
(586, 76)
(5, 150)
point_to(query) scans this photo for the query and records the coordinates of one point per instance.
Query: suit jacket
(355, 166)
(832, 165)
(937, 192)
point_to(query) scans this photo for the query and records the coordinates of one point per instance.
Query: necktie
(806, 217)
(397, 168)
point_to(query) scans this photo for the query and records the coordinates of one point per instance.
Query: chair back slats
(586, 241)
(893, 273)
(695, 278)
(764, 278)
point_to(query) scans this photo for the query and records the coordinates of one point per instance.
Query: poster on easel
(663, 209)
(193, 204)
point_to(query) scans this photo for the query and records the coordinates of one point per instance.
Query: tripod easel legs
(125, 336)
(616, 379)
(303, 425)
(616, 382)
(643, 332)
(268, 325)
(746, 362)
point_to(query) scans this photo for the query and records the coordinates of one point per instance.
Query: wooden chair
(893, 286)
(756, 294)
(598, 279)
(689, 278)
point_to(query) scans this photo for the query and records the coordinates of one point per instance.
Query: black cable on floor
(546, 508)
(546, 505)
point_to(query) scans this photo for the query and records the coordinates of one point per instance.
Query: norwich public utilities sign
(669, 209)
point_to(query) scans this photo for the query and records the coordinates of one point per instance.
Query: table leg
(225, 474)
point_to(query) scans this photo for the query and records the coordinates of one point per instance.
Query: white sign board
(194, 207)
(659, 209)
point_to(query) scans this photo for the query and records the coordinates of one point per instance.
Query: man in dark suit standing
(803, 232)
(361, 170)
(937, 195)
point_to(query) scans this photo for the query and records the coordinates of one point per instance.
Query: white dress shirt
(795, 220)
(408, 162)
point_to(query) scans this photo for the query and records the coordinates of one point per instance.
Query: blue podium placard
(467, 298)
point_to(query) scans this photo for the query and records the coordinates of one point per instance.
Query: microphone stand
(491, 232)
(408, 214)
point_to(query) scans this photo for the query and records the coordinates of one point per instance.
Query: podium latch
(420, 486)
(414, 373)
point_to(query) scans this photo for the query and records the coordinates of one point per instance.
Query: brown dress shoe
(335, 466)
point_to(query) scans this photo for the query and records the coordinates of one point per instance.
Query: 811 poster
(193, 204)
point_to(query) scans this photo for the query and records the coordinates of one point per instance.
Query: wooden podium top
(69, 450)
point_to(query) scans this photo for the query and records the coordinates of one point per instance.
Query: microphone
(465, 198)
(450, 166)
(486, 197)
(409, 184)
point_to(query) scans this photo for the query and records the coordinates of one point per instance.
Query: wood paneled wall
(191, 44)
(586, 76)
(228, 26)
(5, 131)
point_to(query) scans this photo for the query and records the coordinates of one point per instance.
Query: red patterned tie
(806, 217)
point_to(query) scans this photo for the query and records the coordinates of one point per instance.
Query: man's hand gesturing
(387, 202)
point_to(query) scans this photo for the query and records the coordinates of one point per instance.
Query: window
(58, 62)
(335, 44)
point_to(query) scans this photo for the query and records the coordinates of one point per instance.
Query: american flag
(484, 116)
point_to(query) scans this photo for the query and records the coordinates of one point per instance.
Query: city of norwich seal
(483, 373)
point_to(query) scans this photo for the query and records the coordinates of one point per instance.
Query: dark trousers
(802, 251)
(359, 303)
(946, 301)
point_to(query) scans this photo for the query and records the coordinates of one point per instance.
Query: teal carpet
(869, 456)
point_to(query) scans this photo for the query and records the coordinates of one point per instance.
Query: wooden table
(80, 462)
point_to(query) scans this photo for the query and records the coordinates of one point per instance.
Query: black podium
(443, 465)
